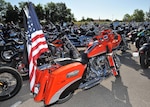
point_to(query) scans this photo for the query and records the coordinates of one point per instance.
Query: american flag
(36, 42)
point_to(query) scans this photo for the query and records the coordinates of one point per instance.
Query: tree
(50, 11)
(58, 12)
(147, 16)
(83, 19)
(12, 13)
(40, 11)
(54, 12)
(22, 5)
(138, 15)
(3, 8)
(64, 12)
(127, 18)
(90, 19)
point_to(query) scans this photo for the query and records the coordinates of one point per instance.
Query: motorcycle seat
(66, 61)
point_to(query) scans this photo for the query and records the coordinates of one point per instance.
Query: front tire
(10, 82)
(117, 64)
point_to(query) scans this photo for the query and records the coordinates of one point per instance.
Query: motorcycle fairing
(95, 49)
(53, 84)
(105, 43)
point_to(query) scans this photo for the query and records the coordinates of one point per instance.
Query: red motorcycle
(56, 82)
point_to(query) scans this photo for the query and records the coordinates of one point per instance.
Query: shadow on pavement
(146, 72)
(128, 60)
(133, 62)
(100, 96)
(120, 93)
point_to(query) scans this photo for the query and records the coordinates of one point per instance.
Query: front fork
(112, 64)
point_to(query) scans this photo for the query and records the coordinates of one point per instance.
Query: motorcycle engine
(98, 67)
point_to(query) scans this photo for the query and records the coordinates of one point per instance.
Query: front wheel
(117, 61)
(10, 82)
(117, 64)
(24, 72)
(144, 61)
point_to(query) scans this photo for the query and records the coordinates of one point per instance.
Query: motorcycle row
(63, 69)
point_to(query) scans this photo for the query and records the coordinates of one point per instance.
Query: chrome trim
(72, 74)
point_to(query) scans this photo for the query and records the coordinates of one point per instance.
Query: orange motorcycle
(56, 82)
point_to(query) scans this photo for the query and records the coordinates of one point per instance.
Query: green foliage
(11, 13)
(137, 16)
(147, 16)
(54, 12)
(2, 5)
(3, 8)
(40, 11)
(127, 17)
(58, 12)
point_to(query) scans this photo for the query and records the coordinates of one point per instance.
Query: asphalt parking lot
(132, 89)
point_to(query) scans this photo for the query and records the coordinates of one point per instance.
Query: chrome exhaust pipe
(89, 84)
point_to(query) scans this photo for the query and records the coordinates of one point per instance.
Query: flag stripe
(32, 73)
(40, 41)
(36, 56)
(36, 43)
(39, 32)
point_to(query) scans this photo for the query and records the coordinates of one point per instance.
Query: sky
(97, 9)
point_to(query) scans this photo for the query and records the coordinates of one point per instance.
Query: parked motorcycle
(56, 82)
(9, 45)
(124, 44)
(10, 82)
(142, 37)
(144, 54)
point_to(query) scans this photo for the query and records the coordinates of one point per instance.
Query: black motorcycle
(7, 50)
(124, 43)
(10, 82)
(144, 54)
(142, 37)
(10, 43)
